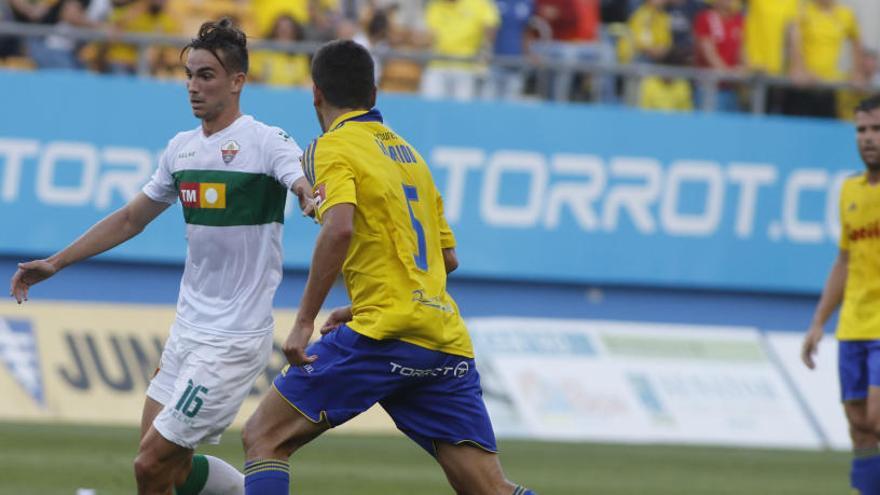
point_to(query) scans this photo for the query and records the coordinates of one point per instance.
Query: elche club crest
(229, 150)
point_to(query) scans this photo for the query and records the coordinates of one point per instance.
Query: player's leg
(445, 414)
(861, 403)
(271, 435)
(307, 400)
(159, 464)
(202, 380)
(152, 408)
(472, 470)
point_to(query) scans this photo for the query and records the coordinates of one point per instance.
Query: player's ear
(238, 81)
(317, 96)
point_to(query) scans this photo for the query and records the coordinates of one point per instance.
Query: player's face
(868, 136)
(211, 88)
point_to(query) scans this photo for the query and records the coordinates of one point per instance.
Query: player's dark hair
(869, 104)
(225, 41)
(343, 71)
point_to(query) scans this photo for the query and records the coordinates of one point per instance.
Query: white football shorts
(202, 381)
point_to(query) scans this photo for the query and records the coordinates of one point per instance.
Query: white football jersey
(233, 187)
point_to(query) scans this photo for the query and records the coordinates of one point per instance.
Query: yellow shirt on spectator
(280, 69)
(648, 28)
(136, 19)
(767, 24)
(860, 236)
(192, 13)
(824, 33)
(657, 93)
(459, 27)
(267, 11)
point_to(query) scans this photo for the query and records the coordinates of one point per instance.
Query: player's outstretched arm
(331, 248)
(114, 229)
(832, 295)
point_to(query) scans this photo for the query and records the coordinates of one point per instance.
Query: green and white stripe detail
(250, 198)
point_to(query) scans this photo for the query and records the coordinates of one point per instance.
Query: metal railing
(706, 80)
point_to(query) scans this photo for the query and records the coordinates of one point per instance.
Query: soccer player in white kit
(232, 174)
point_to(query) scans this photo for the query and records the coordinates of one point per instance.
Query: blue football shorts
(858, 363)
(431, 396)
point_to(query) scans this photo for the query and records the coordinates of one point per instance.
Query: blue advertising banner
(534, 191)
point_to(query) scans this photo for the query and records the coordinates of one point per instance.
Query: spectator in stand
(614, 11)
(869, 72)
(719, 36)
(576, 28)
(667, 94)
(139, 16)
(55, 51)
(682, 14)
(457, 28)
(825, 28)
(772, 44)
(267, 11)
(9, 46)
(650, 34)
(571, 20)
(323, 22)
(376, 35)
(190, 14)
(279, 68)
(871, 68)
(512, 40)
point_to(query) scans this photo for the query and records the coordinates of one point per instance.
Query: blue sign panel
(533, 191)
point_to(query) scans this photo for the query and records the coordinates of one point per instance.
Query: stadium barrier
(533, 191)
(91, 363)
(565, 380)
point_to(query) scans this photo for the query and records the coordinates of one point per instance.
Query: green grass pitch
(57, 459)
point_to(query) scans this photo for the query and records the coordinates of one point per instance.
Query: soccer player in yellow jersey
(855, 280)
(402, 342)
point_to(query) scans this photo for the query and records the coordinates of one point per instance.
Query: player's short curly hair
(343, 70)
(869, 104)
(225, 41)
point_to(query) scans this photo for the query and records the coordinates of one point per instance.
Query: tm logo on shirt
(203, 194)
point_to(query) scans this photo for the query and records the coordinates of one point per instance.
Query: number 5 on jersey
(412, 195)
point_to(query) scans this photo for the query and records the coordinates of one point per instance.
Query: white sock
(223, 479)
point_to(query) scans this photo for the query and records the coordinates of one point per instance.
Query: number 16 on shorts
(190, 403)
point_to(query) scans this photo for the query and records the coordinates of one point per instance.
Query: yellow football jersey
(766, 26)
(824, 34)
(860, 236)
(394, 270)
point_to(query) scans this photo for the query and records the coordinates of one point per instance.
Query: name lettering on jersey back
(870, 231)
(203, 195)
(400, 153)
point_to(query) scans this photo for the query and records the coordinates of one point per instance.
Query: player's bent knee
(146, 468)
(253, 439)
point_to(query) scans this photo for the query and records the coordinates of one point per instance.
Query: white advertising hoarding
(819, 388)
(639, 382)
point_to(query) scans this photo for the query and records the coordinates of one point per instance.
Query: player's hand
(811, 345)
(295, 345)
(337, 317)
(307, 205)
(27, 275)
(306, 198)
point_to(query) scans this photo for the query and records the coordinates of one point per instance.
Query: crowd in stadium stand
(806, 41)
